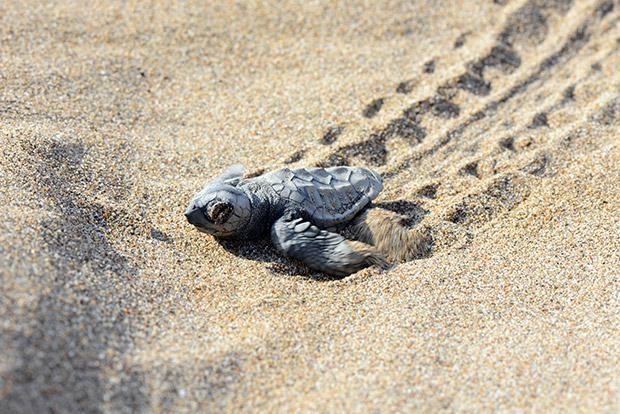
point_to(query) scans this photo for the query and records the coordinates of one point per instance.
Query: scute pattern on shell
(330, 196)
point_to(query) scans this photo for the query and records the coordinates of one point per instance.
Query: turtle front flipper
(320, 249)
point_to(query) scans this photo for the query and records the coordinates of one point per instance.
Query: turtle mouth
(194, 216)
(217, 233)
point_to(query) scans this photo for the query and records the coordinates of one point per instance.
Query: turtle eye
(219, 212)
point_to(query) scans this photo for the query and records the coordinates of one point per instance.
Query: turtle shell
(330, 196)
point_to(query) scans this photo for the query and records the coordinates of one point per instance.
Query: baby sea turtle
(303, 210)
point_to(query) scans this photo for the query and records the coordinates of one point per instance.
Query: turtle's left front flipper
(320, 249)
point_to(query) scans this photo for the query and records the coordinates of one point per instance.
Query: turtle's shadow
(262, 251)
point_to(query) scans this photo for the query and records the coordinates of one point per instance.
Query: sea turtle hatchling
(303, 210)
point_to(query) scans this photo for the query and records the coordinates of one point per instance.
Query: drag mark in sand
(528, 25)
(568, 51)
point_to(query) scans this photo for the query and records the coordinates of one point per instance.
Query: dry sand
(495, 123)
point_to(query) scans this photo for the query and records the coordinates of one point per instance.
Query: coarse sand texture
(494, 124)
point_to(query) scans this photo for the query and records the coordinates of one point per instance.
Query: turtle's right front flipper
(320, 249)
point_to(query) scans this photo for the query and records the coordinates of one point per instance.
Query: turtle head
(221, 209)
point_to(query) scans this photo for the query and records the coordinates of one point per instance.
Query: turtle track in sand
(483, 162)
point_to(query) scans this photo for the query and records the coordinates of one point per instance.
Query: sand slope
(495, 124)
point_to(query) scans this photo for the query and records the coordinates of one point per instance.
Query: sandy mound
(494, 123)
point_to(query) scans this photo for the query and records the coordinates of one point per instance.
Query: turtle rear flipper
(322, 250)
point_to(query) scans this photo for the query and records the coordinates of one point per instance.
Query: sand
(495, 124)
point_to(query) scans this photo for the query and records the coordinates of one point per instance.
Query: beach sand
(495, 124)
